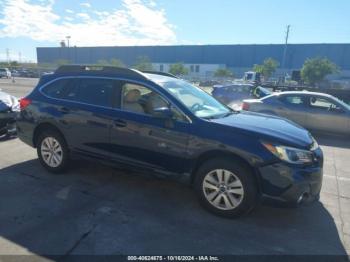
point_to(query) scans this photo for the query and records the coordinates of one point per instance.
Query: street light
(68, 37)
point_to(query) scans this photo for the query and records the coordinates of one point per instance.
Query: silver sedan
(314, 111)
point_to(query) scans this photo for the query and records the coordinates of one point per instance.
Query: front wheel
(226, 187)
(52, 151)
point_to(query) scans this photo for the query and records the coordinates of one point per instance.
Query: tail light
(245, 106)
(24, 102)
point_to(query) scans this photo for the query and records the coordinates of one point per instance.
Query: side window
(293, 100)
(56, 89)
(92, 91)
(322, 103)
(142, 100)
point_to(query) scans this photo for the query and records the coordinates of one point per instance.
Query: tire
(236, 197)
(51, 143)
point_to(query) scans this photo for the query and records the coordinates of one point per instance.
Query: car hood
(268, 127)
(7, 101)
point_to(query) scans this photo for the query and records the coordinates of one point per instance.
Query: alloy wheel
(51, 152)
(223, 189)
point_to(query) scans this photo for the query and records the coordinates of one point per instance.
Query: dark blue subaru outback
(159, 124)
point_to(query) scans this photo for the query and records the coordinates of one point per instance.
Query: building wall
(233, 56)
(195, 70)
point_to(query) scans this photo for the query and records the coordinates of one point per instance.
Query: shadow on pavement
(98, 210)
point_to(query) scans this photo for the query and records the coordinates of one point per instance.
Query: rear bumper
(290, 184)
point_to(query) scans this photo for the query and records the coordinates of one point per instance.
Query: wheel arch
(219, 154)
(42, 127)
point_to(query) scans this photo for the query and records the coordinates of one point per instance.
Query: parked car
(28, 73)
(314, 111)
(15, 73)
(5, 73)
(234, 94)
(162, 125)
(9, 108)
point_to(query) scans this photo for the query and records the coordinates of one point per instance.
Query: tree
(316, 69)
(113, 62)
(103, 62)
(14, 64)
(223, 72)
(143, 63)
(267, 68)
(116, 62)
(178, 69)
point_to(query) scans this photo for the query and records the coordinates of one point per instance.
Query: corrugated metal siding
(231, 55)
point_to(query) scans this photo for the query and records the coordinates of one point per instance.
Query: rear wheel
(226, 188)
(52, 151)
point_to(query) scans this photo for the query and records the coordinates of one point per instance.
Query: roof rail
(99, 70)
(159, 73)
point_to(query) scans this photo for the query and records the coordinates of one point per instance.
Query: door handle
(119, 123)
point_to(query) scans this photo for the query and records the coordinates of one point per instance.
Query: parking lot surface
(94, 209)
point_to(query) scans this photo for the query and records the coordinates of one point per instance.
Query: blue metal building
(233, 56)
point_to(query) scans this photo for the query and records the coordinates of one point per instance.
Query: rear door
(83, 110)
(292, 107)
(143, 140)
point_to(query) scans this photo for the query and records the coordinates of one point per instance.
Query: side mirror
(163, 113)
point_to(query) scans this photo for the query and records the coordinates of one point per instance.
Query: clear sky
(26, 24)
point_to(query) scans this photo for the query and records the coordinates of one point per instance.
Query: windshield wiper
(221, 115)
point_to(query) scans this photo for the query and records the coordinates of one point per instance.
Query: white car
(4, 72)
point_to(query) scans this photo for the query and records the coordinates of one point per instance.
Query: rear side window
(56, 89)
(293, 100)
(90, 91)
(95, 91)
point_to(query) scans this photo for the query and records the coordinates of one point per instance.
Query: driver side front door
(140, 139)
(325, 115)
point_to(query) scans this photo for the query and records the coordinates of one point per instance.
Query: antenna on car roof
(159, 73)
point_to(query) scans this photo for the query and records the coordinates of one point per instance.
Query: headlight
(290, 154)
(314, 145)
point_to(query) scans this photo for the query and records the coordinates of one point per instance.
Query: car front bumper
(292, 184)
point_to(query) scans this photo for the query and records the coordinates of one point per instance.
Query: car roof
(110, 71)
(105, 71)
(301, 93)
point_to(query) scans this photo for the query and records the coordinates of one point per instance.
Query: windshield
(195, 99)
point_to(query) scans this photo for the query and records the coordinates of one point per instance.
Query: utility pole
(8, 55)
(68, 37)
(285, 48)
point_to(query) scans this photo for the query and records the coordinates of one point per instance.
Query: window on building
(197, 68)
(161, 68)
(192, 68)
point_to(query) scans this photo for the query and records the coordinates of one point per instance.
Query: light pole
(68, 38)
(285, 47)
